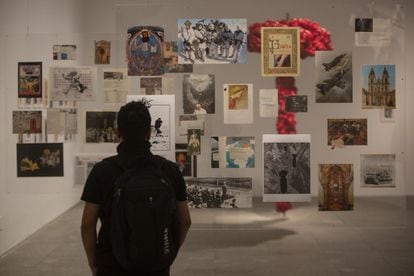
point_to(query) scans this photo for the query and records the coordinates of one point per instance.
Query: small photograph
(171, 64)
(286, 167)
(194, 142)
(115, 85)
(101, 127)
(64, 52)
(151, 85)
(29, 80)
(347, 132)
(378, 89)
(373, 32)
(102, 52)
(238, 103)
(184, 160)
(377, 170)
(238, 97)
(199, 94)
(212, 41)
(27, 122)
(44, 159)
(364, 25)
(145, 51)
(211, 192)
(333, 77)
(336, 187)
(296, 103)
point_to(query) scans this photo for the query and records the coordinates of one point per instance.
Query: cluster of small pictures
(286, 158)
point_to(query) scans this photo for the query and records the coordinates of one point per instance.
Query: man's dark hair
(134, 121)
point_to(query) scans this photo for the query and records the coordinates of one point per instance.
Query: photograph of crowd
(101, 127)
(211, 192)
(212, 41)
(347, 132)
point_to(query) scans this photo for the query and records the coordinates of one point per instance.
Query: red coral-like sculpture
(313, 38)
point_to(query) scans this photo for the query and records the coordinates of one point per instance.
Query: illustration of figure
(227, 36)
(74, 78)
(283, 181)
(212, 36)
(294, 153)
(157, 126)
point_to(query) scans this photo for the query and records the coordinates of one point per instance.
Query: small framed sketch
(29, 80)
(280, 51)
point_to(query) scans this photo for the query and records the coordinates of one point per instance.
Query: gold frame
(290, 37)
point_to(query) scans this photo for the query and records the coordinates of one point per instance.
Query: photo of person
(199, 94)
(238, 97)
(194, 142)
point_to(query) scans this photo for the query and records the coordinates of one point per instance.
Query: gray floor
(376, 238)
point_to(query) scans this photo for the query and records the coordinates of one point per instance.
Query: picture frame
(280, 51)
(29, 80)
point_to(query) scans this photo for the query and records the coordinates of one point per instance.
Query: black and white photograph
(212, 192)
(377, 170)
(45, 159)
(212, 40)
(333, 77)
(286, 167)
(296, 103)
(184, 161)
(162, 110)
(194, 141)
(25, 122)
(199, 94)
(151, 85)
(101, 127)
(373, 32)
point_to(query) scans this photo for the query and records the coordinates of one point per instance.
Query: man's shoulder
(106, 163)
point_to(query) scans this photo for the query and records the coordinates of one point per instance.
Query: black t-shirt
(100, 185)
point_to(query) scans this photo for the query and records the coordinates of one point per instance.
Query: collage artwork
(185, 100)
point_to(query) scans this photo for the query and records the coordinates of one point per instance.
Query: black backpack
(143, 209)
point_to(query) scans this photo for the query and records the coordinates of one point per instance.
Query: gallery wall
(29, 29)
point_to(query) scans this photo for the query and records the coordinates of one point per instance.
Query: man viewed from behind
(116, 179)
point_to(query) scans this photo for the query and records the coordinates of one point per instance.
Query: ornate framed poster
(280, 51)
(29, 79)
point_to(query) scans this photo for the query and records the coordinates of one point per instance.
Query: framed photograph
(378, 89)
(378, 170)
(286, 167)
(64, 52)
(29, 80)
(347, 132)
(280, 51)
(336, 187)
(333, 77)
(102, 52)
(194, 142)
(162, 112)
(199, 94)
(101, 127)
(238, 103)
(212, 40)
(27, 121)
(185, 162)
(296, 103)
(44, 159)
(218, 192)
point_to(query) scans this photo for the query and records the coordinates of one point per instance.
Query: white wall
(29, 28)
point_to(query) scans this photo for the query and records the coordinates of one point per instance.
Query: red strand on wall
(313, 38)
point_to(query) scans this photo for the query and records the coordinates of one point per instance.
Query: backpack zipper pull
(150, 199)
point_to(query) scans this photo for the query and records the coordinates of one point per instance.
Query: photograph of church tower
(378, 86)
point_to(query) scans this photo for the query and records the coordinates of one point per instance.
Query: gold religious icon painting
(280, 51)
